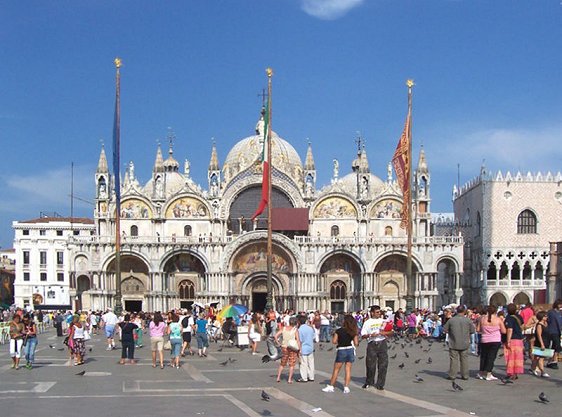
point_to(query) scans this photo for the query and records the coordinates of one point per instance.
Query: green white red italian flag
(265, 166)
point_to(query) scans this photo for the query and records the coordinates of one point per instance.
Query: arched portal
(391, 283)
(185, 273)
(342, 276)
(446, 282)
(134, 281)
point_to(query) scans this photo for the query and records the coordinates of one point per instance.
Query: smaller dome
(349, 184)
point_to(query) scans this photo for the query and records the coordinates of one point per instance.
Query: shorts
(202, 340)
(176, 347)
(289, 357)
(186, 336)
(157, 343)
(345, 355)
(16, 348)
(412, 330)
(109, 331)
(552, 340)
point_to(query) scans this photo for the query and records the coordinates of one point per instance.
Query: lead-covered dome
(247, 153)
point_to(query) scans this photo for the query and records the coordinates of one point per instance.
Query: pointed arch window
(337, 290)
(335, 231)
(186, 290)
(526, 222)
(134, 230)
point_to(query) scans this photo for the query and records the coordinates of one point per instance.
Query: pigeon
(418, 341)
(89, 350)
(429, 360)
(330, 349)
(406, 354)
(223, 363)
(456, 386)
(394, 356)
(402, 345)
(501, 355)
(51, 346)
(401, 366)
(506, 381)
(411, 344)
(242, 348)
(426, 350)
(219, 349)
(417, 361)
(418, 379)
(81, 373)
(266, 413)
(231, 360)
(265, 396)
(321, 346)
(265, 359)
(543, 398)
(60, 349)
(360, 357)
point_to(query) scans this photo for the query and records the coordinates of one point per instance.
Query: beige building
(508, 221)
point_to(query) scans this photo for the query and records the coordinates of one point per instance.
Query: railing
(302, 240)
(515, 283)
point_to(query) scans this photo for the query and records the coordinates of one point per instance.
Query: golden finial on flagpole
(269, 72)
(117, 62)
(410, 83)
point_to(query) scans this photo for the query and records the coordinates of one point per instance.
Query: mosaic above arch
(187, 208)
(386, 209)
(340, 263)
(335, 208)
(253, 258)
(135, 209)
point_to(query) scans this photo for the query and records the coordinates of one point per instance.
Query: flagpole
(118, 307)
(409, 278)
(269, 298)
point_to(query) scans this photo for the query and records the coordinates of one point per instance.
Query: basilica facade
(336, 247)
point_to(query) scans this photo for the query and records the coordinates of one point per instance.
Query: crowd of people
(524, 332)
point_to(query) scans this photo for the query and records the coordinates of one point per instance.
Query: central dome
(247, 153)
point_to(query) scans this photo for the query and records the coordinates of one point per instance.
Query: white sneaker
(108, 348)
(346, 390)
(545, 375)
(328, 388)
(491, 378)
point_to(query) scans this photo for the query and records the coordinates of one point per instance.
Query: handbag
(87, 335)
(168, 345)
(544, 353)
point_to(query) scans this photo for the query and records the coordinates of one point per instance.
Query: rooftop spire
(102, 164)
(214, 163)
(309, 163)
(159, 162)
(422, 163)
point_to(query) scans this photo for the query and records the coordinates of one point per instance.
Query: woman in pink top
(490, 328)
(157, 329)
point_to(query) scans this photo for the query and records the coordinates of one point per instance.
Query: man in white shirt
(374, 332)
(187, 324)
(110, 321)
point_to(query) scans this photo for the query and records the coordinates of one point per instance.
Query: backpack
(185, 322)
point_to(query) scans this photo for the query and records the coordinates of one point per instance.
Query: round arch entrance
(342, 276)
(521, 298)
(391, 283)
(498, 299)
(134, 281)
(185, 273)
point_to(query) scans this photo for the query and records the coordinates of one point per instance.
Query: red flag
(265, 166)
(401, 163)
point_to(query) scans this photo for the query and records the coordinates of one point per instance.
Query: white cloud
(329, 9)
(46, 191)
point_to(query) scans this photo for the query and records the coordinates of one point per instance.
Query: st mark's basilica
(336, 247)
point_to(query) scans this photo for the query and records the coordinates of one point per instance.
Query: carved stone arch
(336, 252)
(454, 260)
(133, 266)
(251, 257)
(108, 261)
(281, 240)
(246, 285)
(522, 297)
(248, 178)
(81, 262)
(498, 298)
(416, 263)
(165, 265)
(324, 200)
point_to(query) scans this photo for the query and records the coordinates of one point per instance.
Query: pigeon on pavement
(265, 396)
(401, 366)
(544, 399)
(223, 363)
(456, 386)
(506, 381)
(51, 346)
(394, 356)
(429, 360)
(81, 373)
(418, 378)
(417, 361)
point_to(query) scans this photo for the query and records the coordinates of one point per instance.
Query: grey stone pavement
(202, 387)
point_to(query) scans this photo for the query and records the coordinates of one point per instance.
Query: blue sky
(487, 86)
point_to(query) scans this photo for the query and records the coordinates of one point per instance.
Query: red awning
(289, 219)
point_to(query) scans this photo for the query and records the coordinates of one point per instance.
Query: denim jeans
(30, 347)
(325, 333)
